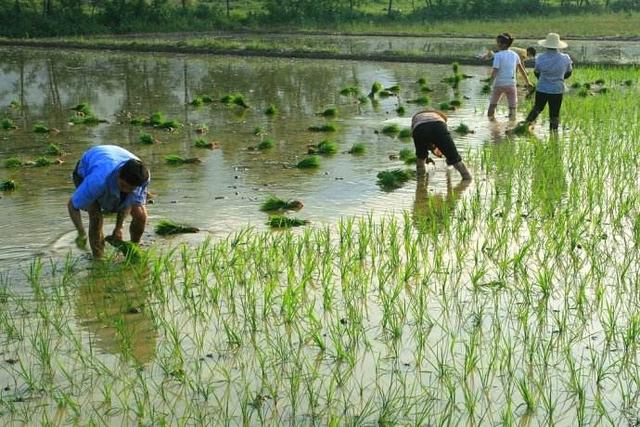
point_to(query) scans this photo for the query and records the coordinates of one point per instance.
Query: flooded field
(508, 300)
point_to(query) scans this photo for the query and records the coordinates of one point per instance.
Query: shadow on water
(432, 210)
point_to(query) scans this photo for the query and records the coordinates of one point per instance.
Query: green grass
(131, 251)
(310, 162)
(166, 227)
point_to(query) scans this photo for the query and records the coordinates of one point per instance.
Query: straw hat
(552, 42)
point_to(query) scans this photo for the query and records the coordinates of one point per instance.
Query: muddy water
(224, 192)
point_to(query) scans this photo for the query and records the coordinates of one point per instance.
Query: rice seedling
(445, 106)
(406, 154)
(8, 185)
(385, 93)
(326, 147)
(422, 81)
(266, 144)
(421, 100)
(234, 99)
(8, 124)
(455, 66)
(405, 133)
(576, 85)
(43, 161)
(202, 143)
(358, 148)
(281, 221)
(14, 104)
(392, 179)
(395, 89)
(350, 91)
(170, 125)
(83, 108)
(401, 110)
(174, 160)
(322, 128)
(330, 112)
(131, 251)
(376, 87)
(146, 138)
(584, 92)
(53, 150)
(463, 129)
(486, 89)
(40, 128)
(196, 102)
(167, 227)
(12, 163)
(273, 204)
(310, 162)
(425, 89)
(455, 103)
(271, 110)
(85, 120)
(393, 129)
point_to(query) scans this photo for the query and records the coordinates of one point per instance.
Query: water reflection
(432, 210)
(111, 305)
(548, 184)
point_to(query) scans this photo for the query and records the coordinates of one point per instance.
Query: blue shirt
(99, 168)
(552, 66)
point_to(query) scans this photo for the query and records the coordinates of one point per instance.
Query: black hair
(531, 51)
(505, 38)
(134, 172)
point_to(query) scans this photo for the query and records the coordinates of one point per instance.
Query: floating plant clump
(350, 90)
(392, 179)
(9, 185)
(323, 128)
(376, 87)
(146, 138)
(53, 150)
(40, 128)
(130, 250)
(330, 112)
(43, 161)
(266, 144)
(463, 129)
(408, 156)
(8, 124)
(358, 148)
(310, 162)
(174, 159)
(234, 99)
(273, 204)
(324, 147)
(425, 89)
(455, 103)
(391, 129)
(421, 100)
(405, 133)
(486, 89)
(281, 221)
(12, 163)
(201, 143)
(422, 81)
(271, 110)
(166, 227)
(400, 110)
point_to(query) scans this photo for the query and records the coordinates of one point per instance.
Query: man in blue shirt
(111, 179)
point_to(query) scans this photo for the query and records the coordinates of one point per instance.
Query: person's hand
(81, 241)
(117, 234)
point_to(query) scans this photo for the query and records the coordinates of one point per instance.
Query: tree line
(28, 18)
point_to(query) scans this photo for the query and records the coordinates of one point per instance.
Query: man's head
(531, 52)
(132, 174)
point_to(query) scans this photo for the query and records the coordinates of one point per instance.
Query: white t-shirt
(505, 61)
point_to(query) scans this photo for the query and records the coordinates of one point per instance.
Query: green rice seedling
(271, 110)
(281, 221)
(576, 85)
(330, 112)
(166, 227)
(258, 131)
(327, 147)
(422, 81)
(8, 124)
(406, 153)
(138, 121)
(363, 99)
(463, 129)
(174, 159)
(53, 150)
(358, 148)
(15, 104)
(425, 89)
(273, 204)
(12, 163)
(602, 90)
(130, 250)
(600, 81)
(83, 108)
(146, 138)
(196, 102)
(266, 144)
(350, 90)
(323, 128)
(201, 143)
(375, 88)
(628, 83)
(40, 128)
(170, 124)
(392, 179)
(395, 89)
(455, 103)
(156, 119)
(393, 129)
(9, 185)
(405, 133)
(455, 67)
(385, 93)
(486, 89)
(521, 129)
(310, 162)
(421, 100)
(400, 110)
(43, 161)
(587, 85)
(445, 106)
(207, 99)
(584, 92)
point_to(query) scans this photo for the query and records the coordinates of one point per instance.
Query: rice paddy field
(508, 300)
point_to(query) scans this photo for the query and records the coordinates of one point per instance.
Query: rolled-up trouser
(427, 136)
(510, 91)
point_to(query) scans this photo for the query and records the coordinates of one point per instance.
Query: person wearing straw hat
(552, 68)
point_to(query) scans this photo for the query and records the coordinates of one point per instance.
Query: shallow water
(225, 191)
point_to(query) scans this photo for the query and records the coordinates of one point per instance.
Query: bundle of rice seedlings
(391, 129)
(14, 104)
(310, 162)
(12, 163)
(8, 124)
(271, 110)
(327, 147)
(323, 128)
(444, 106)
(130, 250)
(422, 81)
(455, 103)
(350, 90)
(421, 100)
(146, 138)
(201, 143)
(486, 89)
(425, 89)
(166, 227)
(196, 102)
(392, 179)
(405, 133)
(83, 108)
(156, 119)
(174, 159)
(375, 88)
(40, 128)
(463, 129)
(330, 112)
(576, 85)
(395, 89)
(400, 110)
(274, 203)
(170, 124)
(266, 144)
(281, 221)
(358, 148)
(521, 129)
(234, 99)
(42, 161)
(53, 150)
(584, 92)
(9, 185)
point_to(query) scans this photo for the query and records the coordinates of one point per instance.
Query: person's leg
(96, 238)
(538, 106)
(445, 143)
(496, 94)
(421, 136)
(512, 98)
(138, 222)
(555, 102)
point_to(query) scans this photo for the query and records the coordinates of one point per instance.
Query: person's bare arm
(117, 230)
(524, 74)
(76, 218)
(138, 222)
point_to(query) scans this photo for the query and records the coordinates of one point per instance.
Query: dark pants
(429, 135)
(77, 179)
(555, 102)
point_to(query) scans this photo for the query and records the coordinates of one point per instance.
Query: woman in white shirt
(503, 75)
